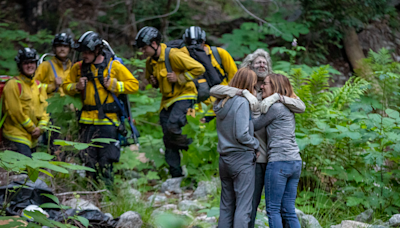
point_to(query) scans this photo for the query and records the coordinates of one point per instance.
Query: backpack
(3, 80)
(211, 77)
(123, 113)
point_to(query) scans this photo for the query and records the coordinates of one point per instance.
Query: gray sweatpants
(237, 173)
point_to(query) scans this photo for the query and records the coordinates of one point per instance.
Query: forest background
(344, 67)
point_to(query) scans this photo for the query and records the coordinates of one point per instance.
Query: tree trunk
(131, 30)
(165, 22)
(352, 46)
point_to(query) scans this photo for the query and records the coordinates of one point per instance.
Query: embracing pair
(257, 145)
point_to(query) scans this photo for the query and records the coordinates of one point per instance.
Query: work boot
(172, 185)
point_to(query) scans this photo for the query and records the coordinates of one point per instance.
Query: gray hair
(248, 61)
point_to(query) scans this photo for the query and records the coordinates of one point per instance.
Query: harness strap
(54, 72)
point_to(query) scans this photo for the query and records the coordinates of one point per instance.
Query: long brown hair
(245, 78)
(281, 84)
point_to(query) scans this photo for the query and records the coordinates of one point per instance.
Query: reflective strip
(210, 112)
(201, 80)
(189, 76)
(190, 96)
(18, 139)
(26, 122)
(40, 85)
(69, 86)
(45, 86)
(120, 87)
(98, 121)
(43, 123)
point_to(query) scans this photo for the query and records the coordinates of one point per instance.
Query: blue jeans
(281, 180)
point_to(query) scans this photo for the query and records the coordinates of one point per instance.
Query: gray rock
(205, 188)
(394, 220)
(299, 213)
(166, 207)
(186, 205)
(351, 224)
(206, 219)
(172, 185)
(109, 215)
(309, 221)
(130, 219)
(135, 194)
(81, 204)
(261, 222)
(130, 174)
(366, 216)
(157, 198)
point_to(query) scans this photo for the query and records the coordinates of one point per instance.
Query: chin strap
(155, 52)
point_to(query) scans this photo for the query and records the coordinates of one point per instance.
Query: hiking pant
(100, 159)
(17, 147)
(258, 187)
(236, 170)
(172, 121)
(281, 180)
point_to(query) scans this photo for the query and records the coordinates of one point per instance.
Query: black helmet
(26, 54)
(147, 35)
(62, 39)
(89, 41)
(194, 35)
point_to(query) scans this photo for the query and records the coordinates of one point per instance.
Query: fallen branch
(251, 14)
(81, 192)
(160, 16)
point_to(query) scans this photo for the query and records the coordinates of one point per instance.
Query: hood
(222, 112)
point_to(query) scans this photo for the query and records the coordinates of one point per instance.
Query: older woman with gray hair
(260, 62)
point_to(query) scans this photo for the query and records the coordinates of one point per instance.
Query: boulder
(157, 198)
(394, 220)
(166, 207)
(351, 224)
(261, 221)
(135, 194)
(172, 185)
(81, 204)
(205, 218)
(366, 216)
(205, 188)
(309, 221)
(130, 219)
(186, 205)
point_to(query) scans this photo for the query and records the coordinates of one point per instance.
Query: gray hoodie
(234, 126)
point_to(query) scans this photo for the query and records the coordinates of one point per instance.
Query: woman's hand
(267, 102)
(254, 104)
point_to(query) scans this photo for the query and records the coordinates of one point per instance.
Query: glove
(267, 102)
(254, 104)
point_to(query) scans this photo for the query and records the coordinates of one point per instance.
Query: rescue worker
(24, 106)
(195, 35)
(260, 62)
(98, 118)
(178, 96)
(53, 72)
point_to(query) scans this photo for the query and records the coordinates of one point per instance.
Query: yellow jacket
(25, 106)
(45, 74)
(184, 66)
(122, 82)
(229, 66)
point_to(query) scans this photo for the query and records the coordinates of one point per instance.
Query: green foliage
(10, 37)
(201, 159)
(251, 36)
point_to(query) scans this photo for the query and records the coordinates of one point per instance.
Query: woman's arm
(265, 119)
(242, 121)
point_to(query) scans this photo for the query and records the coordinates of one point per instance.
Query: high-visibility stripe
(26, 122)
(190, 96)
(120, 87)
(69, 86)
(18, 139)
(189, 76)
(98, 121)
(43, 123)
